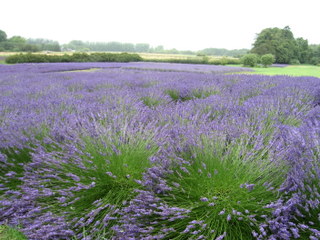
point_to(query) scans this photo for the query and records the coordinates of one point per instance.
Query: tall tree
(17, 40)
(305, 52)
(276, 41)
(3, 36)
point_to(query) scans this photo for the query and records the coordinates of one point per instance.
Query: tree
(44, 44)
(267, 60)
(17, 40)
(142, 47)
(276, 41)
(3, 36)
(127, 47)
(315, 54)
(304, 51)
(159, 49)
(250, 60)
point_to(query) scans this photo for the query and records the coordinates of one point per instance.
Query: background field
(291, 70)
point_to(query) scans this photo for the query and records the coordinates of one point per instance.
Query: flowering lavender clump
(218, 201)
(158, 151)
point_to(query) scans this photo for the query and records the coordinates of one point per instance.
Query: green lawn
(294, 70)
(7, 233)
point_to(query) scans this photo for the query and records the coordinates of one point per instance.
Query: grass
(222, 189)
(294, 70)
(8, 233)
(2, 59)
(113, 168)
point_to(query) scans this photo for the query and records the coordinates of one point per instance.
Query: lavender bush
(158, 151)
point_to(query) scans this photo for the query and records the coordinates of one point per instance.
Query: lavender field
(158, 151)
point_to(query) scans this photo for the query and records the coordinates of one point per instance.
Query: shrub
(76, 57)
(250, 60)
(267, 60)
(294, 62)
(315, 61)
(216, 191)
(93, 188)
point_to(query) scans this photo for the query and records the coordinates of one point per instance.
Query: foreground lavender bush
(158, 151)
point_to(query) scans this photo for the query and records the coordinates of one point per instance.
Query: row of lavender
(158, 151)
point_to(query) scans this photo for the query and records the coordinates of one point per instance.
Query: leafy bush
(267, 60)
(216, 190)
(294, 62)
(250, 60)
(315, 61)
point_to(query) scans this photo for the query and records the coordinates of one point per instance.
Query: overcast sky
(180, 24)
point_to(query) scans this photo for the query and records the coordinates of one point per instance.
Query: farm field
(158, 151)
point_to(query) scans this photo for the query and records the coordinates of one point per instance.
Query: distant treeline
(81, 46)
(20, 44)
(75, 57)
(223, 52)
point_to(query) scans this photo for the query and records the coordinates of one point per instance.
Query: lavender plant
(158, 151)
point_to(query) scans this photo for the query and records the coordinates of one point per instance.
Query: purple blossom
(49, 111)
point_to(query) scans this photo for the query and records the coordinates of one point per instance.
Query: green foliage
(223, 52)
(225, 61)
(142, 47)
(250, 60)
(304, 52)
(20, 44)
(44, 44)
(78, 45)
(3, 36)
(17, 40)
(76, 57)
(214, 186)
(111, 171)
(315, 61)
(267, 60)
(8, 233)
(276, 41)
(150, 101)
(294, 61)
(175, 95)
(315, 54)
(204, 93)
(11, 172)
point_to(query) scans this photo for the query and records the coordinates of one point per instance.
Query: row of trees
(286, 49)
(20, 44)
(145, 47)
(223, 52)
(77, 45)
